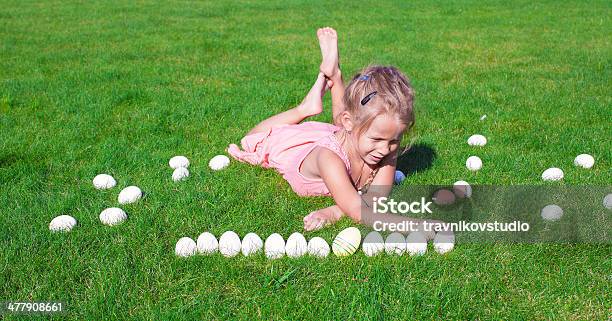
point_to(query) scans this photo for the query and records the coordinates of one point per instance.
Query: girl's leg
(328, 41)
(337, 93)
(311, 105)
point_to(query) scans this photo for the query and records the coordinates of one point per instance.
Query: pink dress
(284, 148)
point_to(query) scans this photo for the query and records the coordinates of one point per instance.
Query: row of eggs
(346, 243)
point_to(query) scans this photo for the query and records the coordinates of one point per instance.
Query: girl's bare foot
(328, 41)
(313, 102)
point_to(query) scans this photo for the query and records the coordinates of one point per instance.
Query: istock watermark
(461, 226)
(494, 214)
(387, 205)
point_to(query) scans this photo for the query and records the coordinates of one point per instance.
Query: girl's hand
(314, 221)
(321, 218)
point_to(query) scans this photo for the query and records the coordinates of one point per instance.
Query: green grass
(119, 88)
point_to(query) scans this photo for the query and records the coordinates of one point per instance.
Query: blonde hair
(393, 96)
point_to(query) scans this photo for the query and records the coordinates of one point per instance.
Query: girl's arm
(333, 172)
(328, 215)
(348, 201)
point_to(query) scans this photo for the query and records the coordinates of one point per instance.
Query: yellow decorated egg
(347, 242)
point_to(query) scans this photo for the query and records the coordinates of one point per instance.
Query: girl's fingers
(308, 221)
(308, 226)
(313, 222)
(318, 226)
(312, 225)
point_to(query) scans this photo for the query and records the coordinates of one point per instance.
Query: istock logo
(385, 205)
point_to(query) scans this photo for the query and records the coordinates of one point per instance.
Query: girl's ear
(347, 121)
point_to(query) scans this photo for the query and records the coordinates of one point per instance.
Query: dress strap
(332, 143)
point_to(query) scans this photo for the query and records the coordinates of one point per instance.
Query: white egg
(104, 181)
(444, 242)
(178, 162)
(185, 247)
(318, 247)
(473, 163)
(584, 161)
(429, 234)
(477, 140)
(347, 242)
(552, 174)
(129, 194)
(180, 174)
(443, 197)
(274, 246)
(395, 244)
(62, 223)
(229, 244)
(373, 244)
(551, 212)
(416, 243)
(112, 216)
(607, 201)
(219, 162)
(251, 244)
(207, 243)
(462, 189)
(296, 245)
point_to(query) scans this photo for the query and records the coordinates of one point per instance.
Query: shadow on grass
(9, 159)
(417, 158)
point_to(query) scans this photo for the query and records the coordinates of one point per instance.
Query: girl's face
(381, 139)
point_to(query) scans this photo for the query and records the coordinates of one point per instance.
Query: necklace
(366, 185)
(359, 178)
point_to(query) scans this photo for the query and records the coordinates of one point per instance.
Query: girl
(341, 159)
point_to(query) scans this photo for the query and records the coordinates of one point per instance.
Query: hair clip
(367, 98)
(364, 77)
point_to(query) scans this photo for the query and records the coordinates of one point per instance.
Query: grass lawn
(120, 87)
